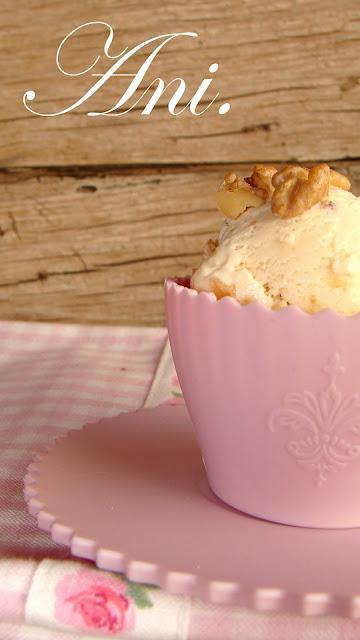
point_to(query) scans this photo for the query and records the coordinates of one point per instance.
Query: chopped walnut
(235, 195)
(292, 190)
(230, 180)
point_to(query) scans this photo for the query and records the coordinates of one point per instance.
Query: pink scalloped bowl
(274, 398)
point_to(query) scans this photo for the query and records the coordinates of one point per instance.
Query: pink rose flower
(91, 600)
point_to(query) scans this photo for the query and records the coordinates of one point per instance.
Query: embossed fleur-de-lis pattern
(327, 423)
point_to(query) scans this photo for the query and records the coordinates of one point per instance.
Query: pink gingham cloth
(55, 378)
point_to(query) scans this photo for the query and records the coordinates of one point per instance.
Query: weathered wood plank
(93, 247)
(290, 71)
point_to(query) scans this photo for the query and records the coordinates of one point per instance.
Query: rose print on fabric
(92, 600)
(176, 394)
(327, 424)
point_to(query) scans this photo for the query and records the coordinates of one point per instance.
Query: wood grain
(96, 212)
(290, 70)
(93, 246)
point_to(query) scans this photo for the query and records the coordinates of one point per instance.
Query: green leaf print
(139, 595)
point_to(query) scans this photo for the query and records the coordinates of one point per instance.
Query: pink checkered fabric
(54, 378)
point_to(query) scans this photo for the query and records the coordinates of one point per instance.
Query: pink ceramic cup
(274, 397)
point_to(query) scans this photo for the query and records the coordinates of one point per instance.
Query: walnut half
(297, 189)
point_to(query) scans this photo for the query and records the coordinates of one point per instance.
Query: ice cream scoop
(310, 259)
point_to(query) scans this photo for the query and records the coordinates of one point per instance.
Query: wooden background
(96, 212)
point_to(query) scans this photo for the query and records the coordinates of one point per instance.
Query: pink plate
(130, 493)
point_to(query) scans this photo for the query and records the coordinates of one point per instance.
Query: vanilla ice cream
(311, 260)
